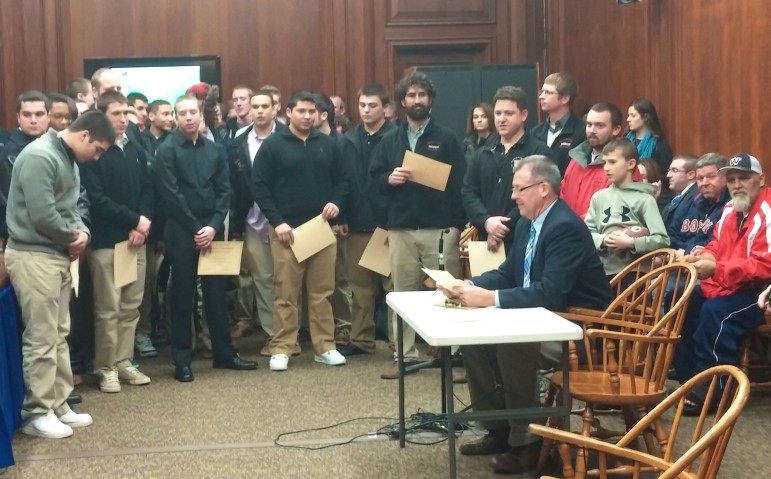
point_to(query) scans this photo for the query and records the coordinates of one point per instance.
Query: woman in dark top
(645, 132)
(649, 170)
(479, 128)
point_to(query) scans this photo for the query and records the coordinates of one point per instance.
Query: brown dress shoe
(392, 370)
(296, 349)
(492, 443)
(239, 331)
(517, 461)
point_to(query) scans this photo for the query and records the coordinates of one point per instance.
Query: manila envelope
(426, 171)
(376, 255)
(481, 260)
(223, 259)
(75, 274)
(311, 237)
(124, 265)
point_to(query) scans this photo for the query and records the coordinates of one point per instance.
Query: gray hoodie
(615, 208)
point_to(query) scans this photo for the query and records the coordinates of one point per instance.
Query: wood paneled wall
(333, 46)
(704, 63)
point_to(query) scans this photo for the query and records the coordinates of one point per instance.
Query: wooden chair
(756, 341)
(628, 349)
(469, 234)
(706, 443)
(644, 264)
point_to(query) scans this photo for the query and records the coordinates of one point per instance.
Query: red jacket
(743, 254)
(580, 183)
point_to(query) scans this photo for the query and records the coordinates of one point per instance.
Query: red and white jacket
(743, 254)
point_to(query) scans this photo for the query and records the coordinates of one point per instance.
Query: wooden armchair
(628, 349)
(757, 341)
(642, 265)
(469, 234)
(707, 441)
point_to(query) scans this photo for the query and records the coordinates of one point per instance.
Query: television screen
(162, 78)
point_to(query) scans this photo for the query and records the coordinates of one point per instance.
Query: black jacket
(366, 207)
(572, 135)
(17, 141)
(414, 206)
(487, 184)
(294, 179)
(240, 165)
(193, 182)
(151, 143)
(120, 190)
(565, 272)
(472, 144)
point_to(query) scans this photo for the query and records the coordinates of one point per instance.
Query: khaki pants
(43, 287)
(341, 298)
(318, 275)
(256, 294)
(364, 288)
(410, 250)
(116, 310)
(154, 259)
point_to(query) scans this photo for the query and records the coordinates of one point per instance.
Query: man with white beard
(733, 268)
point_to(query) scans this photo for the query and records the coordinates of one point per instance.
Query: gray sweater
(45, 185)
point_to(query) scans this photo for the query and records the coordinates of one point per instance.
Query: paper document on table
(124, 264)
(75, 274)
(311, 237)
(443, 279)
(425, 171)
(376, 256)
(223, 259)
(481, 260)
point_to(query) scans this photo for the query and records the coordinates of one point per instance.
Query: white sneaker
(132, 375)
(108, 381)
(46, 425)
(73, 419)
(279, 362)
(330, 358)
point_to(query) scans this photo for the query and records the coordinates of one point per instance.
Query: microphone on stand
(441, 248)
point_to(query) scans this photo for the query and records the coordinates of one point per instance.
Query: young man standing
(249, 223)
(562, 130)
(195, 192)
(585, 174)
(45, 234)
(121, 206)
(140, 104)
(236, 127)
(32, 115)
(364, 211)
(487, 185)
(298, 175)
(420, 220)
(161, 118)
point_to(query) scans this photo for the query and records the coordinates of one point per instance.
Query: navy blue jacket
(693, 225)
(566, 270)
(366, 207)
(572, 135)
(413, 206)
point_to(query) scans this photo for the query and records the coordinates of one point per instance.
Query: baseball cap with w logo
(744, 162)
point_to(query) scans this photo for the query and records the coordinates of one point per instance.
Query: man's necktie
(675, 201)
(529, 251)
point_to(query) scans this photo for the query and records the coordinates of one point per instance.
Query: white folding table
(446, 327)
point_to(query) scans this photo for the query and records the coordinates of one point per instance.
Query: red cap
(199, 90)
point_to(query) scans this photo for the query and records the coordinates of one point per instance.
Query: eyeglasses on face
(519, 189)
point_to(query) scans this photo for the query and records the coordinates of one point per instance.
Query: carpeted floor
(223, 425)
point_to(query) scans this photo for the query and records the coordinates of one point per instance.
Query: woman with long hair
(645, 132)
(480, 127)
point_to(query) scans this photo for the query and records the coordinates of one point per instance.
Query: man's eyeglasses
(519, 189)
(677, 170)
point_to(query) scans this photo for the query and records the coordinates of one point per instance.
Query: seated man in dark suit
(553, 264)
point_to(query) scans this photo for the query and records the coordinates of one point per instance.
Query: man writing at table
(553, 264)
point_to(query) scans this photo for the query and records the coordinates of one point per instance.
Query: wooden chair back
(469, 234)
(704, 440)
(642, 265)
(636, 335)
